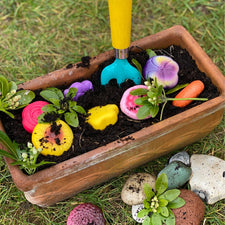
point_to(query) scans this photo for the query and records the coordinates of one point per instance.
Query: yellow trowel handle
(120, 22)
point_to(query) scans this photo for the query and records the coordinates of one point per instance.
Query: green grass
(40, 36)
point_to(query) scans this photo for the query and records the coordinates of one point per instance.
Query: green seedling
(158, 205)
(11, 99)
(61, 106)
(152, 97)
(25, 158)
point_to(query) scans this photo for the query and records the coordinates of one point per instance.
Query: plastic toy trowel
(120, 23)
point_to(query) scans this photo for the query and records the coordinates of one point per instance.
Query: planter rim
(183, 39)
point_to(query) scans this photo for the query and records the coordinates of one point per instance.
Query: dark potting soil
(85, 137)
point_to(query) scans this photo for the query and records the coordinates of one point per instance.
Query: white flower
(13, 92)
(24, 155)
(29, 145)
(34, 151)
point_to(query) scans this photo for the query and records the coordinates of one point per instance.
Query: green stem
(161, 114)
(180, 99)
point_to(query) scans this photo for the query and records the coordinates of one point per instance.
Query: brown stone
(192, 213)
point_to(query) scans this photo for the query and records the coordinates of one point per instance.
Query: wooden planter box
(65, 179)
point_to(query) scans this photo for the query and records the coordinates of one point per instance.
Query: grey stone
(208, 177)
(181, 157)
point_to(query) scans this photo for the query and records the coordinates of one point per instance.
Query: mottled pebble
(177, 173)
(133, 190)
(208, 177)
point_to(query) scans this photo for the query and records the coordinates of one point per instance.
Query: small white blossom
(29, 145)
(24, 155)
(13, 92)
(34, 151)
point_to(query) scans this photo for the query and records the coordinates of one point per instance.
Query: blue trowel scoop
(120, 24)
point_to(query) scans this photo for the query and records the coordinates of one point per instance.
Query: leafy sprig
(25, 158)
(152, 97)
(11, 99)
(61, 106)
(158, 205)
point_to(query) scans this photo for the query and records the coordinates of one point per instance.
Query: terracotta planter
(79, 173)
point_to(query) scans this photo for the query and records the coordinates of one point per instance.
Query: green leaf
(72, 119)
(163, 202)
(150, 52)
(160, 90)
(55, 102)
(18, 163)
(156, 219)
(170, 195)
(56, 91)
(49, 108)
(4, 86)
(137, 64)
(176, 88)
(146, 204)
(144, 111)
(71, 93)
(151, 94)
(12, 86)
(61, 111)
(139, 91)
(79, 109)
(161, 184)
(171, 219)
(154, 109)
(5, 140)
(41, 118)
(142, 213)
(26, 97)
(41, 163)
(141, 100)
(7, 112)
(147, 221)
(50, 94)
(149, 193)
(164, 211)
(176, 203)
(7, 154)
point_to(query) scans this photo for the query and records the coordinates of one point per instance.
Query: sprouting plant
(61, 106)
(11, 99)
(152, 97)
(158, 204)
(25, 158)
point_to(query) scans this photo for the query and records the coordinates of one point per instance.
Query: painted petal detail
(164, 69)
